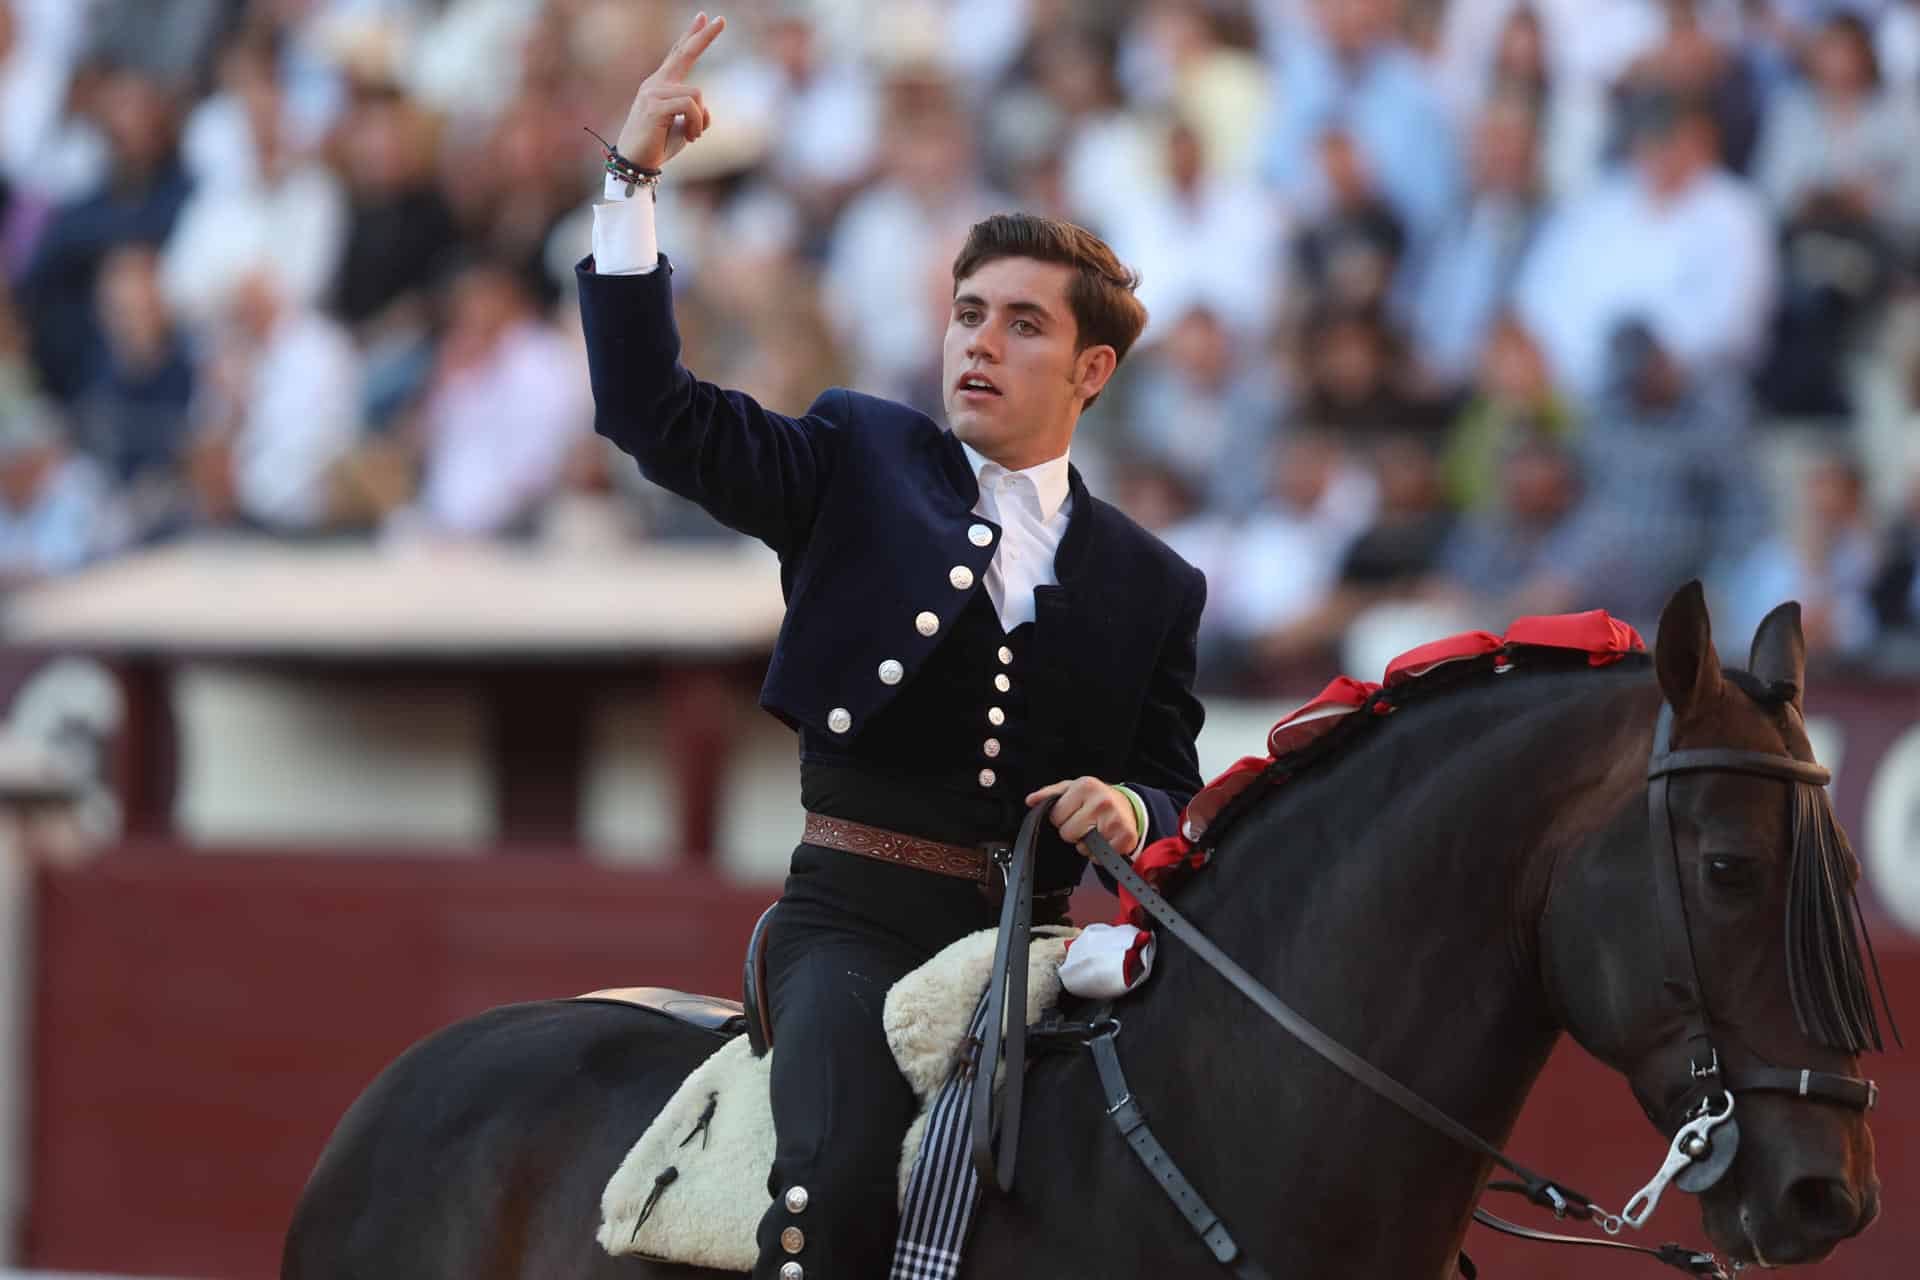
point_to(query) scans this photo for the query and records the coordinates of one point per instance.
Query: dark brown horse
(1470, 877)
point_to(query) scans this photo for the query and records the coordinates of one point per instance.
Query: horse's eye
(1732, 871)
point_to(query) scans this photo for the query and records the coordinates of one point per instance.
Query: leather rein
(1702, 1148)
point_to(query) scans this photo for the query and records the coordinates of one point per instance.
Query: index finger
(699, 37)
(1048, 791)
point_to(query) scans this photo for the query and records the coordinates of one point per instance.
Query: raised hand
(668, 112)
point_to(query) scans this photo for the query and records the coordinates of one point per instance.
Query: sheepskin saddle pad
(694, 1188)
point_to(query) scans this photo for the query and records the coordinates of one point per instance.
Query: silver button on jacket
(839, 719)
(926, 623)
(979, 535)
(960, 576)
(891, 671)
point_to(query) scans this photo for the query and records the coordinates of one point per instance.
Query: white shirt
(1031, 506)
(294, 227)
(1237, 278)
(303, 415)
(1698, 268)
(499, 433)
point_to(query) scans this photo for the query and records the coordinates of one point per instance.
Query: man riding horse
(968, 633)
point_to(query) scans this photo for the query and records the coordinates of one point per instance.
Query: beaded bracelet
(625, 170)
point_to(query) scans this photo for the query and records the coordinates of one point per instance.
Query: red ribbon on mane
(1604, 639)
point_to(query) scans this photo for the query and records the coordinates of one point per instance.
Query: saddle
(713, 1014)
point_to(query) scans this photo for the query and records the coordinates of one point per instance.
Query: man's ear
(1092, 368)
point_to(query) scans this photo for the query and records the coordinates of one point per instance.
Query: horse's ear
(1683, 652)
(1779, 654)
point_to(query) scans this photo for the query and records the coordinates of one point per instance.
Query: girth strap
(1127, 1117)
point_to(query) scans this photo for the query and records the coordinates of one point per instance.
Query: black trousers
(846, 930)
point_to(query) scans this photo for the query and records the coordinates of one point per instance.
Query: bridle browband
(1702, 1148)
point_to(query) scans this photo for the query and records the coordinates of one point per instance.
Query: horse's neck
(1408, 937)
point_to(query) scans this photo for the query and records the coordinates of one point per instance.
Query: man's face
(1010, 325)
(1671, 159)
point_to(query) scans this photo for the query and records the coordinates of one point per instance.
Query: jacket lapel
(951, 460)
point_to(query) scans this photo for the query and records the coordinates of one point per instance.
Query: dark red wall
(202, 1020)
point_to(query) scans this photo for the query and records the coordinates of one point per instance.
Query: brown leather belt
(962, 861)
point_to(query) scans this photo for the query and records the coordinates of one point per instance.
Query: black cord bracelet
(625, 170)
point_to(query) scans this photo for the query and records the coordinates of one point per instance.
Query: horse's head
(1663, 948)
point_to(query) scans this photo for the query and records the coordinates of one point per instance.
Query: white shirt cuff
(624, 238)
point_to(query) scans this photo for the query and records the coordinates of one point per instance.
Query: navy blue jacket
(868, 504)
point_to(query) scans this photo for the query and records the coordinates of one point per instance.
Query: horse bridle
(1702, 1148)
(1708, 1137)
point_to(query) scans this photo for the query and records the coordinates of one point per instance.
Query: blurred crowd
(1461, 309)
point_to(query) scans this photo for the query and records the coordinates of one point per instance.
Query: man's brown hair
(1101, 292)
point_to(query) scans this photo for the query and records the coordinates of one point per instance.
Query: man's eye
(1024, 326)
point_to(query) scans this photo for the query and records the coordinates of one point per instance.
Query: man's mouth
(974, 384)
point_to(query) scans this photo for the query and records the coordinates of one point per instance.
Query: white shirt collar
(1048, 479)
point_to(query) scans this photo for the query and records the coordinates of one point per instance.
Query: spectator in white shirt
(1240, 276)
(824, 117)
(289, 214)
(1673, 239)
(1843, 134)
(885, 281)
(508, 403)
(282, 408)
(1272, 571)
(45, 148)
(1464, 281)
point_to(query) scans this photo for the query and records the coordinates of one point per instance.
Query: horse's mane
(1415, 716)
